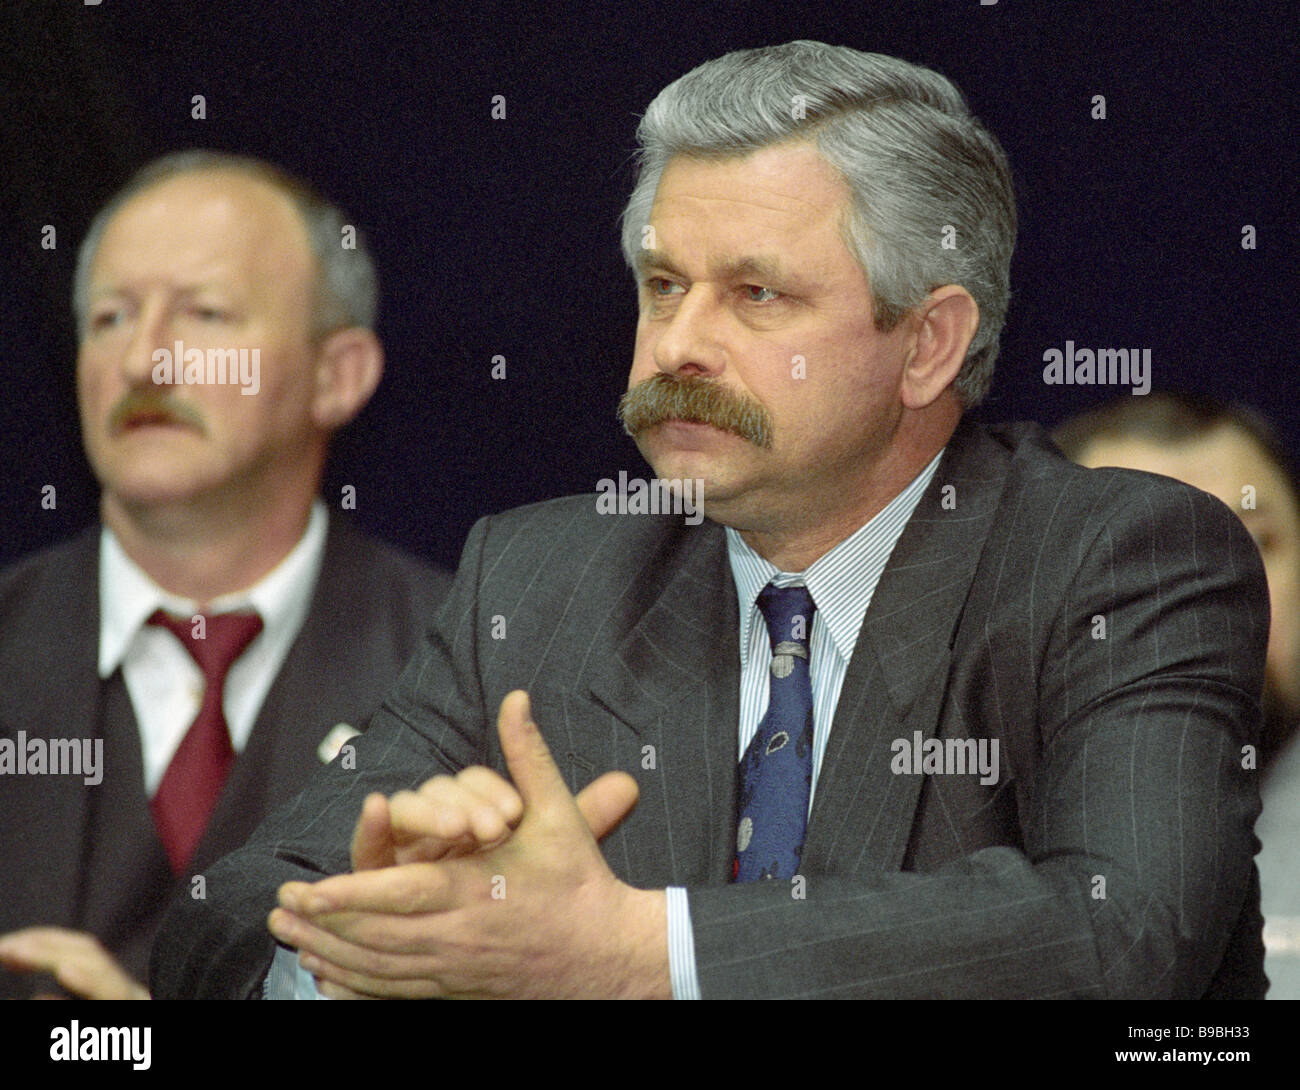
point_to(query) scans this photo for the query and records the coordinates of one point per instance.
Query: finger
(339, 983)
(432, 850)
(529, 761)
(358, 940)
(397, 950)
(495, 790)
(478, 808)
(433, 813)
(76, 959)
(36, 948)
(42, 948)
(372, 839)
(99, 978)
(330, 990)
(492, 804)
(606, 801)
(402, 890)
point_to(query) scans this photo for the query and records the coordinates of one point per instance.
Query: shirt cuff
(289, 980)
(681, 946)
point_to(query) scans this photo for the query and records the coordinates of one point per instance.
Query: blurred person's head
(1233, 454)
(224, 312)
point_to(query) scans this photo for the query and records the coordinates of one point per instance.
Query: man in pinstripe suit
(806, 348)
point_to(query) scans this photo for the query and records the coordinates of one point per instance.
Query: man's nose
(692, 343)
(148, 334)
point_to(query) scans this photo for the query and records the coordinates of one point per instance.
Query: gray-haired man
(921, 710)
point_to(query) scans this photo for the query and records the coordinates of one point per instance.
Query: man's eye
(105, 319)
(659, 285)
(210, 314)
(756, 293)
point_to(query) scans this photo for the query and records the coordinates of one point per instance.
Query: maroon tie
(192, 784)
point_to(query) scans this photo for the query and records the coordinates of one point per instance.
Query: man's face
(1223, 463)
(213, 260)
(748, 283)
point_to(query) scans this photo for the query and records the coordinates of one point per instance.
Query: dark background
(501, 236)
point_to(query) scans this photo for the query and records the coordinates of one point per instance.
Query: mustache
(151, 403)
(664, 397)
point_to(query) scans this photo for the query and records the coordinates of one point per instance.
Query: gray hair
(917, 162)
(347, 290)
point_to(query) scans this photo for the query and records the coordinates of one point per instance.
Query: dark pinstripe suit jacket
(1112, 857)
(88, 857)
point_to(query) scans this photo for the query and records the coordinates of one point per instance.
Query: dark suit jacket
(1112, 857)
(78, 856)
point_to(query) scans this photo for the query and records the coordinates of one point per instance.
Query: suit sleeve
(1136, 824)
(214, 943)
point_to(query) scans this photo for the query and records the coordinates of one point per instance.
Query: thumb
(529, 761)
(606, 801)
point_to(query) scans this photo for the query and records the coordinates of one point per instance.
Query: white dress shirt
(164, 682)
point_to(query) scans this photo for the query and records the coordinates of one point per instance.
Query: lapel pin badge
(334, 741)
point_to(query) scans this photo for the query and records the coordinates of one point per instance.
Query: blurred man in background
(178, 670)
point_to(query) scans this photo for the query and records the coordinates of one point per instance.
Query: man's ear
(349, 364)
(946, 325)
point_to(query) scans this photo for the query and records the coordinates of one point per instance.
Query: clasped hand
(472, 887)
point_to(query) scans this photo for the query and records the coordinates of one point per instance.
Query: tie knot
(788, 612)
(214, 641)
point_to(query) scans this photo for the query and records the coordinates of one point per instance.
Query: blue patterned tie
(776, 770)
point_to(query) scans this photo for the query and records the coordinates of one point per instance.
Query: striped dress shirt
(841, 584)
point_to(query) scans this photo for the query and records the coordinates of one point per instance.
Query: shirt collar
(842, 581)
(128, 597)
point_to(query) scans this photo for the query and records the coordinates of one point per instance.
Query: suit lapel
(674, 679)
(863, 812)
(314, 679)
